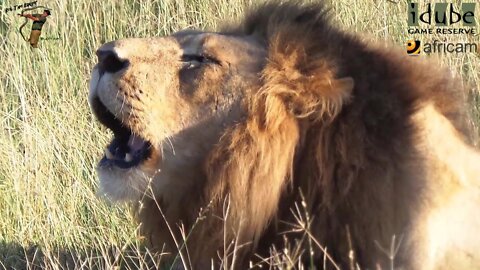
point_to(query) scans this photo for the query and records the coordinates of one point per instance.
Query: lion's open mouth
(126, 149)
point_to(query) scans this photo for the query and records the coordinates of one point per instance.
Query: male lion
(282, 120)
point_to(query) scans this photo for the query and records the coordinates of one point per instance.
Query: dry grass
(49, 142)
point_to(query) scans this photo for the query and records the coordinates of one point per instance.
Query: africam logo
(414, 47)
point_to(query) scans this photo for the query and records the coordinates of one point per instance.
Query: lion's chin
(120, 185)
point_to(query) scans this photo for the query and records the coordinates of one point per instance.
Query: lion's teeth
(128, 157)
(108, 154)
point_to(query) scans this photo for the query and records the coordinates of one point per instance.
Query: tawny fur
(375, 144)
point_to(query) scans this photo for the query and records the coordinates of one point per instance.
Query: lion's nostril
(108, 61)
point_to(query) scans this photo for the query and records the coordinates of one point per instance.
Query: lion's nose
(108, 61)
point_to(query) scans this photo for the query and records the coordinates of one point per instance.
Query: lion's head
(246, 122)
(167, 100)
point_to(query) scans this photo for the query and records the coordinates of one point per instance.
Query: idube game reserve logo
(441, 19)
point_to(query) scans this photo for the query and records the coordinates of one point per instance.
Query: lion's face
(167, 100)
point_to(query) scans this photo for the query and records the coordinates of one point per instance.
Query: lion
(231, 145)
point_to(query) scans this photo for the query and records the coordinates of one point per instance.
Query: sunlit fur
(375, 144)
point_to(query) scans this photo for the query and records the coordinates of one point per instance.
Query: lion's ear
(308, 84)
(316, 97)
(322, 98)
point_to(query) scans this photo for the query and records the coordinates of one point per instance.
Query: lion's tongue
(133, 149)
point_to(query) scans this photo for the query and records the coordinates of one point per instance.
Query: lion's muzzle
(127, 149)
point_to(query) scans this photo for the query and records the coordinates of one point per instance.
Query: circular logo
(413, 47)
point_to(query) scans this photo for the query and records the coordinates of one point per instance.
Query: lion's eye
(193, 60)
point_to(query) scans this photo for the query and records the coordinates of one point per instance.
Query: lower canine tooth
(128, 157)
(108, 154)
